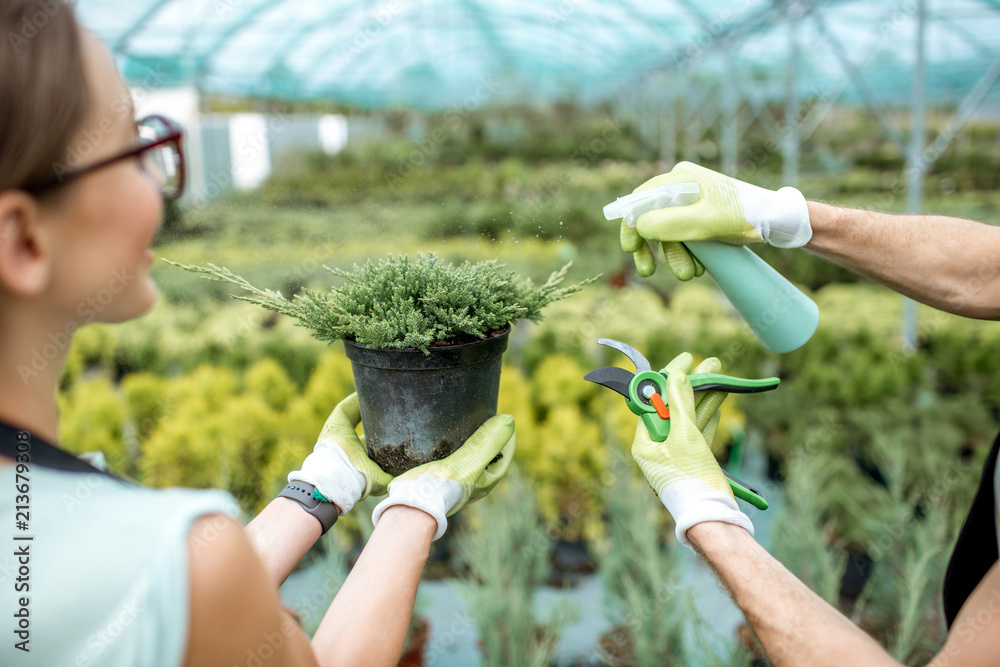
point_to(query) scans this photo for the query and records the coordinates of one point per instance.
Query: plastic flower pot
(419, 407)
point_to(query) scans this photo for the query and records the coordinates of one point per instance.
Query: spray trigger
(630, 207)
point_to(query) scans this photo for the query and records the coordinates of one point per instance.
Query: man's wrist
(709, 537)
(822, 219)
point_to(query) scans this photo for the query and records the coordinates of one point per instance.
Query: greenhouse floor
(453, 640)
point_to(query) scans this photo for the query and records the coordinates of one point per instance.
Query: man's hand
(339, 466)
(443, 487)
(727, 210)
(682, 470)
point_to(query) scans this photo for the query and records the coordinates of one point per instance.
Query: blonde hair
(43, 89)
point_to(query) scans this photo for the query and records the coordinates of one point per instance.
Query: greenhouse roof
(439, 54)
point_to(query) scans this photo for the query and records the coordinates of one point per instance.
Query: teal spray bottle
(781, 316)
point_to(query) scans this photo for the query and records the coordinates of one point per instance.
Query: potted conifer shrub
(425, 339)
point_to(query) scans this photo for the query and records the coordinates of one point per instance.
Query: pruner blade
(641, 364)
(612, 377)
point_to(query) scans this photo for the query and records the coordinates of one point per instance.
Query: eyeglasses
(159, 153)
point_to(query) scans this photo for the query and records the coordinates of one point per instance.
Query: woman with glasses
(98, 571)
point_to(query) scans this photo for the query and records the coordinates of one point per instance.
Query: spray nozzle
(632, 206)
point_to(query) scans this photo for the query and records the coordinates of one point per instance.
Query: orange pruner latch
(661, 407)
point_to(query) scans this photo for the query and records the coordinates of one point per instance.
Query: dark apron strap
(976, 549)
(40, 452)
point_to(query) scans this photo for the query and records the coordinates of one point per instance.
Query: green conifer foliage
(399, 302)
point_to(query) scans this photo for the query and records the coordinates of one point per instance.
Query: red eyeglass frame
(174, 136)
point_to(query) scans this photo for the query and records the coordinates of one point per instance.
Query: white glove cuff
(426, 493)
(329, 470)
(781, 217)
(692, 501)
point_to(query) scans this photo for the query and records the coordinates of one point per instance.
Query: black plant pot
(418, 408)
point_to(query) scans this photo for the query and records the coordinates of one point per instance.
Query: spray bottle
(781, 316)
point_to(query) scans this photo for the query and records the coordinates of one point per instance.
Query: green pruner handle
(658, 428)
(745, 492)
(731, 384)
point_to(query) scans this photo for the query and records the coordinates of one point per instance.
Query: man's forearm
(795, 625)
(948, 263)
(282, 534)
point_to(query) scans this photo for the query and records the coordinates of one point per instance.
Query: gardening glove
(682, 470)
(727, 210)
(443, 487)
(339, 466)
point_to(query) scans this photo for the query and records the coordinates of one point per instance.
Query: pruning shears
(645, 395)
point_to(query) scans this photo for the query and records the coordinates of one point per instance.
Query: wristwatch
(313, 502)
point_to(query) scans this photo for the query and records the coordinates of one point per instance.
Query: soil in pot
(419, 407)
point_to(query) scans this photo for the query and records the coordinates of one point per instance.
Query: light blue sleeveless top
(105, 575)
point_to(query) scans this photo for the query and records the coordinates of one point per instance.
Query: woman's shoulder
(108, 565)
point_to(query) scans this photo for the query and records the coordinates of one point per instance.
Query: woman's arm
(948, 263)
(797, 627)
(369, 618)
(236, 616)
(282, 534)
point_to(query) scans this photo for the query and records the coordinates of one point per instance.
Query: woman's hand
(339, 466)
(441, 488)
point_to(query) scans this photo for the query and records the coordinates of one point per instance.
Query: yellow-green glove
(727, 210)
(682, 470)
(443, 487)
(339, 466)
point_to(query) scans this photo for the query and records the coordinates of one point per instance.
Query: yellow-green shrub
(92, 418)
(226, 447)
(268, 379)
(564, 462)
(330, 383)
(146, 398)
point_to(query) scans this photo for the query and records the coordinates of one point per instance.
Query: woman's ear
(25, 246)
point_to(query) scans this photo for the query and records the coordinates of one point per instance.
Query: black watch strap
(307, 496)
